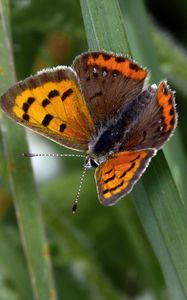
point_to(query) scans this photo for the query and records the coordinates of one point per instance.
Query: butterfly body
(99, 105)
(113, 136)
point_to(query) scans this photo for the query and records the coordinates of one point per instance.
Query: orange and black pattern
(118, 174)
(51, 103)
(99, 105)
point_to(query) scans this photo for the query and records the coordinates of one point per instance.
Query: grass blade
(11, 259)
(101, 39)
(156, 196)
(22, 184)
(81, 258)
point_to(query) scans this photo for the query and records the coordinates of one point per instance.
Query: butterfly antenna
(51, 155)
(74, 207)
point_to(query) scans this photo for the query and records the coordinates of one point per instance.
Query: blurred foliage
(103, 254)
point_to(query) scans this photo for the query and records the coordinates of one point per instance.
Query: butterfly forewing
(51, 104)
(109, 82)
(116, 177)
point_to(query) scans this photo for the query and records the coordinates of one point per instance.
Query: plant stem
(22, 185)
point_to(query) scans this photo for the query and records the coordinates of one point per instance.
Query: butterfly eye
(93, 163)
(90, 163)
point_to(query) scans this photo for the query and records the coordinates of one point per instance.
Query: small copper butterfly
(99, 105)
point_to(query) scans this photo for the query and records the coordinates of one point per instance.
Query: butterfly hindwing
(116, 177)
(109, 82)
(157, 122)
(51, 103)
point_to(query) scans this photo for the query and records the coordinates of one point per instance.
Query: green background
(100, 252)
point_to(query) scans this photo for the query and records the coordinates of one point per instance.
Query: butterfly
(101, 106)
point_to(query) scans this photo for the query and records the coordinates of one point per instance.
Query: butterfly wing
(109, 82)
(116, 177)
(157, 121)
(51, 103)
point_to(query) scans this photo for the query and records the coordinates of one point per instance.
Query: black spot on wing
(53, 93)
(47, 119)
(114, 188)
(171, 112)
(134, 66)
(62, 127)
(128, 170)
(27, 104)
(120, 59)
(95, 55)
(66, 94)
(106, 56)
(109, 179)
(25, 107)
(25, 117)
(45, 102)
(108, 172)
(30, 100)
(170, 100)
(137, 157)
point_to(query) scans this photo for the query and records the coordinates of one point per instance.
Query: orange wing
(109, 82)
(51, 103)
(116, 177)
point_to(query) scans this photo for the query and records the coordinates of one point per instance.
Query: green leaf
(76, 252)
(156, 198)
(11, 259)
(22, 186)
